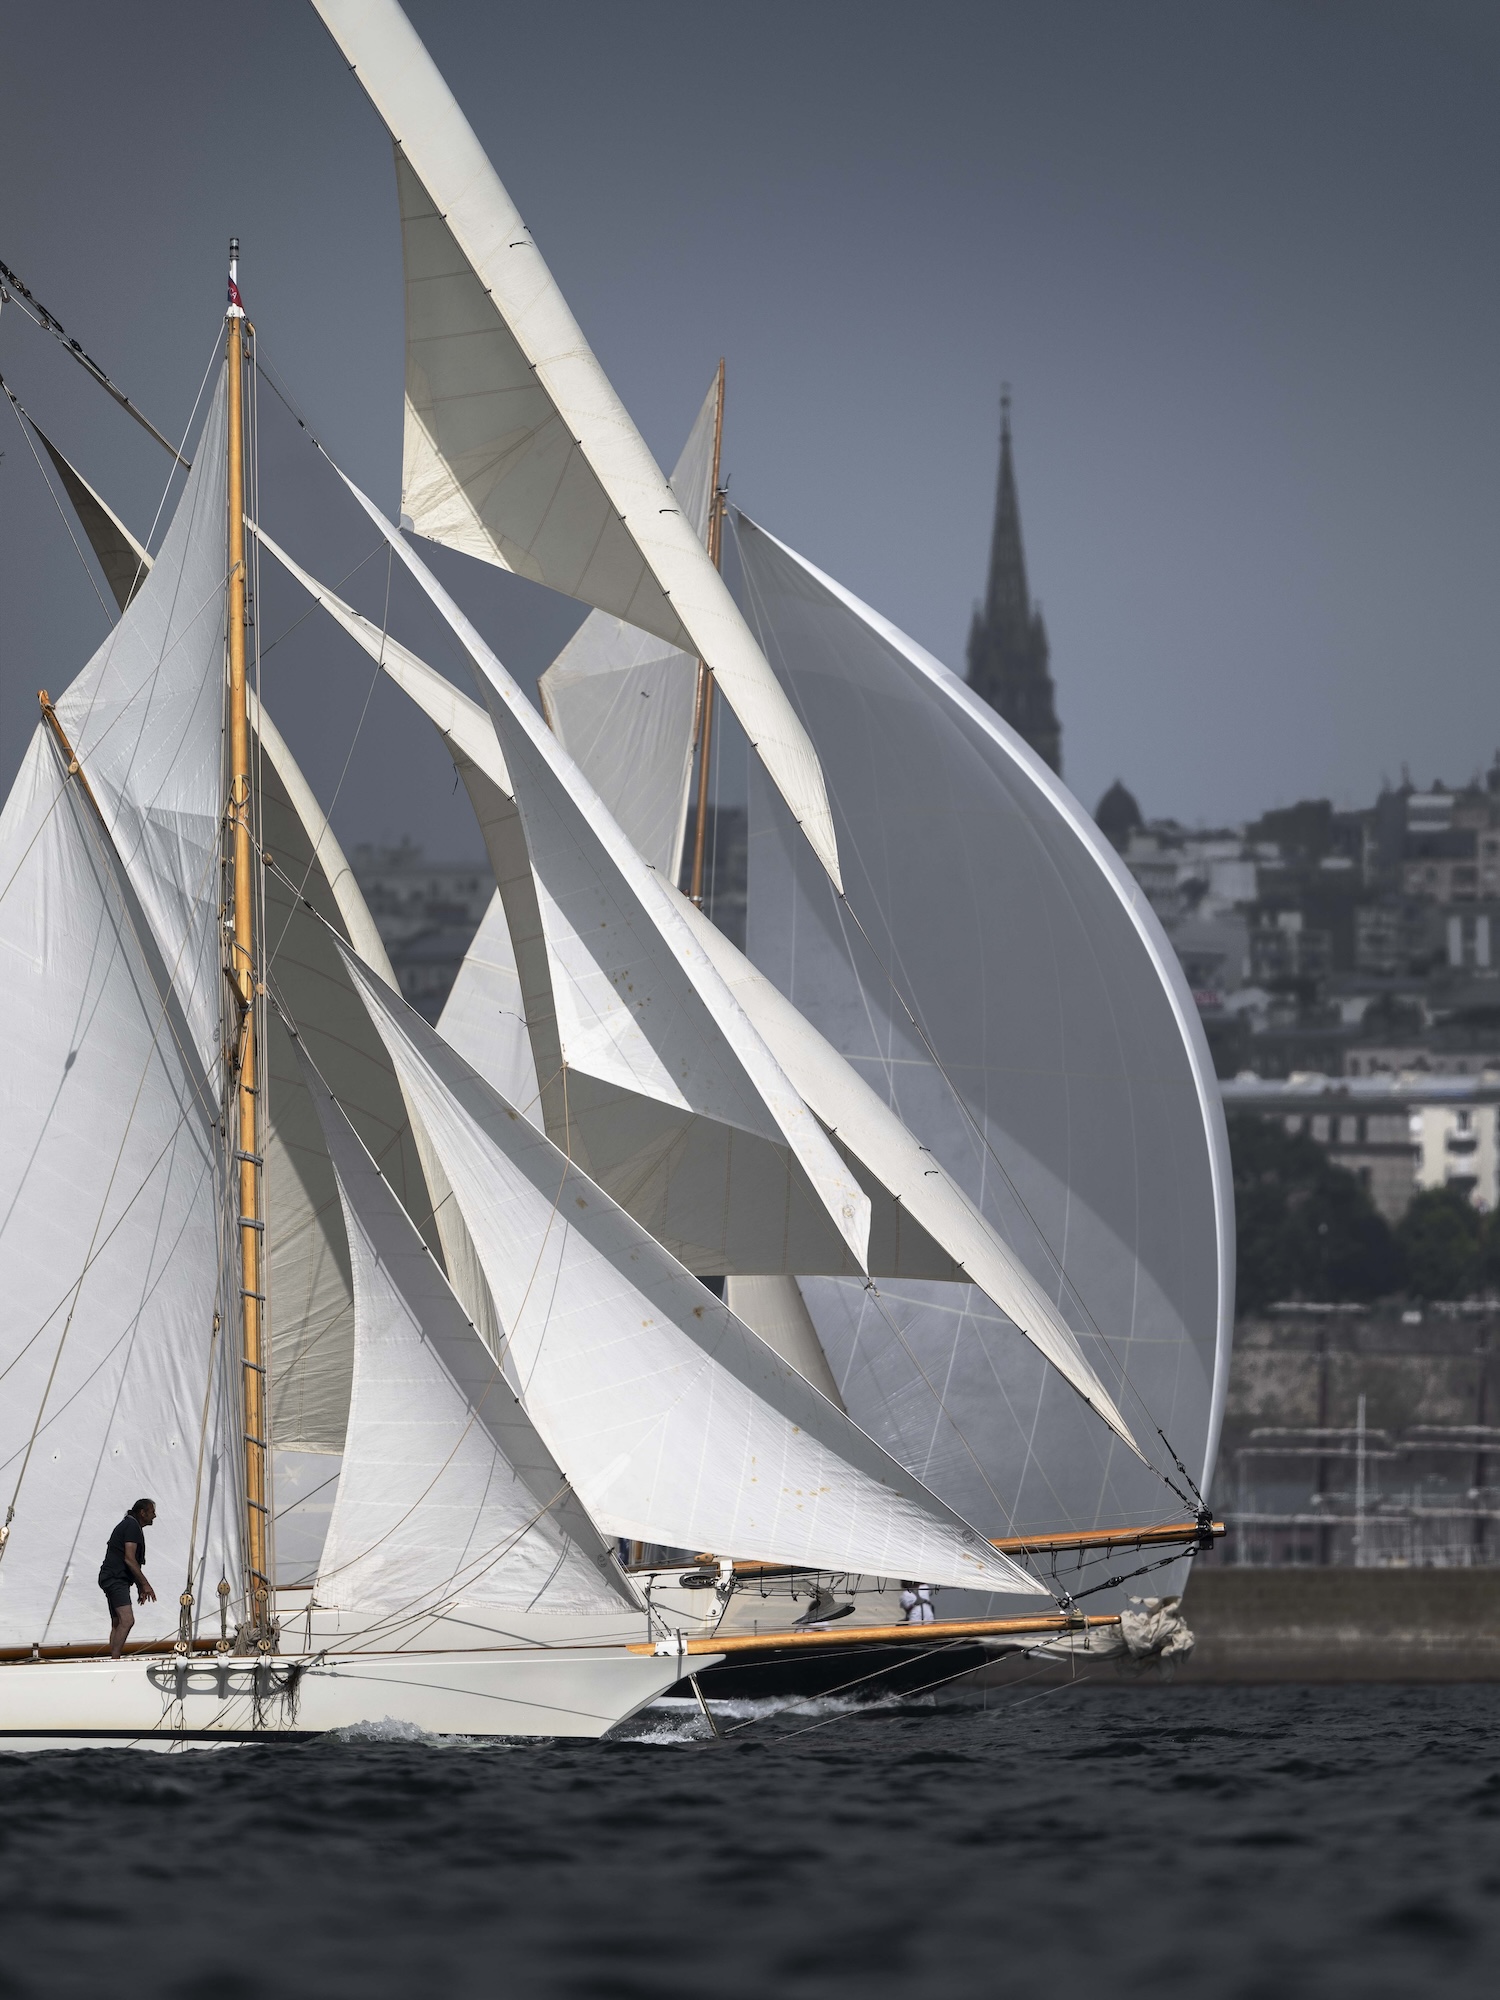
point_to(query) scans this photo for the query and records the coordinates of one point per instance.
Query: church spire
(1008, 650)
(1006, 600)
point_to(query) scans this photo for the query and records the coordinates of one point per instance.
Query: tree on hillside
(1441, 1237)
(1305, 1227)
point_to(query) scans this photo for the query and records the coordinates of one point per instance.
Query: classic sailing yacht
(252, 1199)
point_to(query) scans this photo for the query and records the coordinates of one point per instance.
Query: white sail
(484, 1016)
(674, 1423)
(517, 448)
(115, 1384)
(144, 718)
(1075, 1104)
(622, 701)
(447, 1497)
(776, 1312)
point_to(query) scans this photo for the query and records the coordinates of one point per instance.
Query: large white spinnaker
(517, 449)
(116, 1385)
(622, 700)
(674, 1423)
(447, 1497)
(1072, 1097)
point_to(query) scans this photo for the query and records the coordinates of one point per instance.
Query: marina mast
(705, 716)
(242, 979)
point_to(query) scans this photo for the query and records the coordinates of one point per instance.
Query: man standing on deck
(124, 1565)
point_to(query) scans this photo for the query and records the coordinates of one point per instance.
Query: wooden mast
(246, 1123)
(705, 705)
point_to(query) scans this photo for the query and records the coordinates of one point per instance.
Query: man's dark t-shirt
(113, 1569)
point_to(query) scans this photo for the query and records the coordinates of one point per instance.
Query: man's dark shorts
(116, 1595)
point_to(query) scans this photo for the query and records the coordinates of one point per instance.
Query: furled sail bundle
(116, 1380)
(672, 1421)
(621, 700)
(517, 449)
(1058, 1072)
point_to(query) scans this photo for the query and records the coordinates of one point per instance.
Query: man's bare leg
(119, 1629)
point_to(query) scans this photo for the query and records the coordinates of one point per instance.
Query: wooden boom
(892, 1635)
(1160, 1535)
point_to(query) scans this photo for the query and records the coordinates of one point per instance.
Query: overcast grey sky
(1238, 263)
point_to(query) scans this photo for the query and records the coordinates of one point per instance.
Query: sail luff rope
(21, 295)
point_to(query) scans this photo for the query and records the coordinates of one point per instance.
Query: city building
(426, 912)
(1008, 650)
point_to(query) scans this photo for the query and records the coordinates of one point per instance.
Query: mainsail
(517, 448)
(117, 1382)
(1050, 1057)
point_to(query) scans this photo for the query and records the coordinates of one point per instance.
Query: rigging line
(11, 287)
(22, 419)
(315, 606)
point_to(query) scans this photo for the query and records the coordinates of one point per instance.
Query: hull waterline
(161, 1703)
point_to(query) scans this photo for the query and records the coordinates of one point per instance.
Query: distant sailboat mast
(703, 718)
(243, 984)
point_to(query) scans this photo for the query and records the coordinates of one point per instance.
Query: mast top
(236, 309)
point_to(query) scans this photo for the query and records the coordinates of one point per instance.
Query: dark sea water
(1087, 1841)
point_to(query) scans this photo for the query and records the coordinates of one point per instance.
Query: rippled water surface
(1217, 1842)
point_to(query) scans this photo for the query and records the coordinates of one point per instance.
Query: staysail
(447, 1497)
(1058, 1072)
(517, 449)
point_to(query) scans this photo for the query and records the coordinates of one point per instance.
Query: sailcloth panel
(484, 1017)
(623, 702)
(447, 1496)
(516, 446)
(623, 941)
(145, 721)
(124, 562)
(674, 1423)
(1075, 1105)
(109, 1262)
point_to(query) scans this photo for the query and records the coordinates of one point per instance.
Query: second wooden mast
(704, 718)
(245, 1121)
